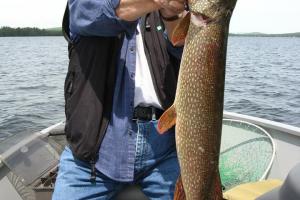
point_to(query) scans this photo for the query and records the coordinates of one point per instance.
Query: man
(122, 75)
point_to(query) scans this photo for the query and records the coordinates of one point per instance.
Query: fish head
(201, 13)
(205, 11)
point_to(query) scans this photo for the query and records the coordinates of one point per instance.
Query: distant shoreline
(28, 31)
(266, 35)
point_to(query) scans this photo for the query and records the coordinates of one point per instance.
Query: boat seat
(269, 189)
(289, 190)
(250, 191)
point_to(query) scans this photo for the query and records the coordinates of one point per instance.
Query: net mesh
(246, 153)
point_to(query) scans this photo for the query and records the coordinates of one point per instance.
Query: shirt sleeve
(97, 18)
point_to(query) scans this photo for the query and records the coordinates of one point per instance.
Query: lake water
(262, 80)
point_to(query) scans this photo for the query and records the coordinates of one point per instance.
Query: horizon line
(239, 33)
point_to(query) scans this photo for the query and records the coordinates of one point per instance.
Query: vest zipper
(93, 171)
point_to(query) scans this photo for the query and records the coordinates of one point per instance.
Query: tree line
(297, 34)
(12, 32)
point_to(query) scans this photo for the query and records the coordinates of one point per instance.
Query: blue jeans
(155, 174)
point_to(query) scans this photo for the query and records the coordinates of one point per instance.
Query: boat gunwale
(265, 123)
(41, 134)
(293, 130)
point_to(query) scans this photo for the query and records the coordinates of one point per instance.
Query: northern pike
(198, 106)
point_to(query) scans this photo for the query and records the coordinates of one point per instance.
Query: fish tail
(167, 120)
(179, 191)
(218, 187)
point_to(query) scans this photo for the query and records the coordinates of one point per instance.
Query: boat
(29, 164)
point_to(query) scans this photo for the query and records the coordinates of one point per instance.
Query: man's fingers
(176, 6)
(161, 3)
(171, 7)
(166, 3)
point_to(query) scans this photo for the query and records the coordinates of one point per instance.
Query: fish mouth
(200, 19)
(205, 12)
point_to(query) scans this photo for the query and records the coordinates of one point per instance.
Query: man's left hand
(172, 8)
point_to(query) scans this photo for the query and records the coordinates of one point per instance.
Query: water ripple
(32, 72)
(262, 80)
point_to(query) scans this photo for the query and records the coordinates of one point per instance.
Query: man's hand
(131, 10)
(170, 8)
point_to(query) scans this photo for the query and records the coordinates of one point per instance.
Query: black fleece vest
(90, 82)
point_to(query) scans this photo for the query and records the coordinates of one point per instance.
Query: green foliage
(13, 32)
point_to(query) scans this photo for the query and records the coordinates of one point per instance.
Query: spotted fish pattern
(199, 100)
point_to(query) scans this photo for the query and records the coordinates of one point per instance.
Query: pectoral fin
(179, 191)
(180, 31)
(167, 120)
(218, 187)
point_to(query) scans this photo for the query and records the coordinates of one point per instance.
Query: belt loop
(153, 113)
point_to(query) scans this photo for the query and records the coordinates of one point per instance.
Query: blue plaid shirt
(97, 18)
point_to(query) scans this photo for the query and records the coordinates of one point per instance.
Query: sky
(265, 16)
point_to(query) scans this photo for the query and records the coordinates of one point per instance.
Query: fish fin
(167, 120)
(179, 191)
(218, 187)
(180, 31)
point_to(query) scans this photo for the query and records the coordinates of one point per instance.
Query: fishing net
(247, 152)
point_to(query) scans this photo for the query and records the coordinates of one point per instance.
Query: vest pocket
(68, 91)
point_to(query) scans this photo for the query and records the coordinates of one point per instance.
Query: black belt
(146, 113)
